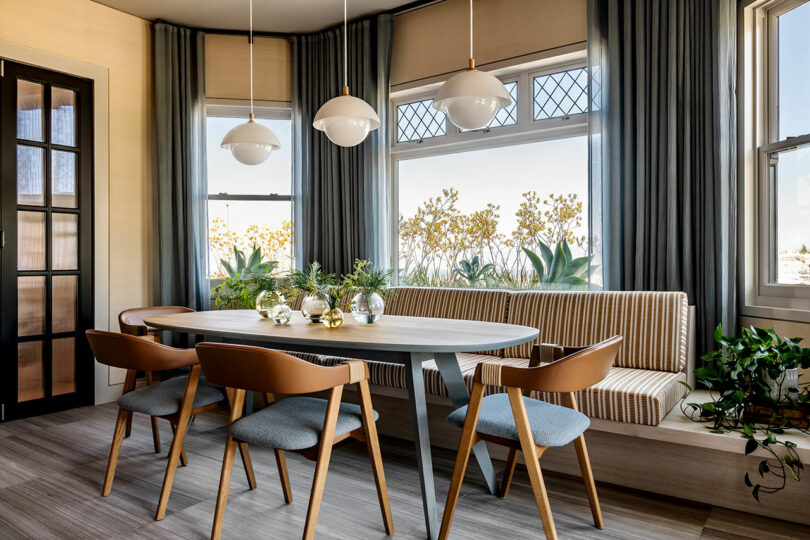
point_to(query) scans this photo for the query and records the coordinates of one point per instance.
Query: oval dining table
(410, 341)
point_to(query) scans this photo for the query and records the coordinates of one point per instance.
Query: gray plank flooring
(52, 466)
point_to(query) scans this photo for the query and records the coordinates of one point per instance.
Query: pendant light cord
(251, 59)
(471, 29)
(345, 50)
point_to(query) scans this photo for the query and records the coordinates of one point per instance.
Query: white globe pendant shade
(251, 143)
(471, 98)
(346, 120)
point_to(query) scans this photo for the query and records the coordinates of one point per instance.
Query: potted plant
(332, 317)
(313, 283)
(273, 300)
(371, 285)
(754, 390)
(245, 281)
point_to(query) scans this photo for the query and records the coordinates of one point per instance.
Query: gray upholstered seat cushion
(294, 423)
(552, 425)
(163, 398)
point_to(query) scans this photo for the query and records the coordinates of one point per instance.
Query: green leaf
(566, 250)
(763, 467)
(228, 268)
(748, 481)
(547, 254)
(255, 257)
(573, 280)
(577, 267)
(558, 264)
(536, 263)
(750, 446)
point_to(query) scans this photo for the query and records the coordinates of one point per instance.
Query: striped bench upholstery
(642, 387)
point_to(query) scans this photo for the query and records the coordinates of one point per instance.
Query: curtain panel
(662, 141)
(181, 185)
(341, 195)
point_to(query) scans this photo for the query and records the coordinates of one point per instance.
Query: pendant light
(251, 143)
(346, 119)
(471, 98)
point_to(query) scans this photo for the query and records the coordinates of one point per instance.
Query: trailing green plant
(243, 283)
(473, 271)
(312, 279)
(737, 377)
(558, 266)
(368, 279)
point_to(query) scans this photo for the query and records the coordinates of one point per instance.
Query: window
(520, 182)
(775, 159)
(248, 205)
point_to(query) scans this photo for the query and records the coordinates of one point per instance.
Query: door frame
(83, 368)
(105, 390)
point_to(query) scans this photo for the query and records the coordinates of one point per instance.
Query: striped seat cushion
(653, 324)
(636, 396)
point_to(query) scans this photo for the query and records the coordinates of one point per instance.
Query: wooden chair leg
(237, 399)
(224, 487)
(532, 459)
(150, 380)
(115, 449)
(468, 439)
(183, 456)
(511, 462)
(281, 462)
(321, 467)
(129, 386)
(128, 431)
(587, 477)
(245, 454)
(177, 442)
(374, 454)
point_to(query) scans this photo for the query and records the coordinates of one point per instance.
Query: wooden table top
(391, 333)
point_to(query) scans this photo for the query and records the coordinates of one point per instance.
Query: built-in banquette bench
(642, 387)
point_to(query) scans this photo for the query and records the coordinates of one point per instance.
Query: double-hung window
(519, 182)
(248, 205)
(777, 124)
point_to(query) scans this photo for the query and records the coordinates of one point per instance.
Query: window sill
(783, 309)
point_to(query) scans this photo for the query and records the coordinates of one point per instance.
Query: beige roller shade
(434, 40)
(227, 68)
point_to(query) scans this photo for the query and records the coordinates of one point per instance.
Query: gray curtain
(341, 208)
(662, 151)
(181, 185)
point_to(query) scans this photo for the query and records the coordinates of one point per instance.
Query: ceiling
(283, 16)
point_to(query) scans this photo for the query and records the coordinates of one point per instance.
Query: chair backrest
(571, 373)
(265, 370)
(131, 322)
(131, 352)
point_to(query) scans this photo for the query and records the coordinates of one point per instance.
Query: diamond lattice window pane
(561, 94)
(507, 116)
(419, 120)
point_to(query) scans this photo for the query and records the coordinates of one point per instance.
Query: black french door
(46, 243)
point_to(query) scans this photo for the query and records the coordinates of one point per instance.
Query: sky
(793, 169)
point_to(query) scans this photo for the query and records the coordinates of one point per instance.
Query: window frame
(758, 123)
(526, 130)
(236, 108)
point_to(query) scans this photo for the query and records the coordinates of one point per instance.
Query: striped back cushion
(446, 303)
(653, 324)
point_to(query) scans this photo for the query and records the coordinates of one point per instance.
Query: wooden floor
(51, 469)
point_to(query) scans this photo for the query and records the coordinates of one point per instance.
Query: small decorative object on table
(313, 283)
(754, 390)
(273, 305)
(332, 317)
(370, 284)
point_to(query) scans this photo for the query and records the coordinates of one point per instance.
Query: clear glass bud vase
(332, 318)
(367, 309)
(313, 306)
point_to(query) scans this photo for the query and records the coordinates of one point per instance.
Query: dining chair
(523, 424)
(131, 321)
(175, 400)
(305, 425)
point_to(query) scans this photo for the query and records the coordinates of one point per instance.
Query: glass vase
(367, 309)
(313, 306)
(270, 304)
(332, 318)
